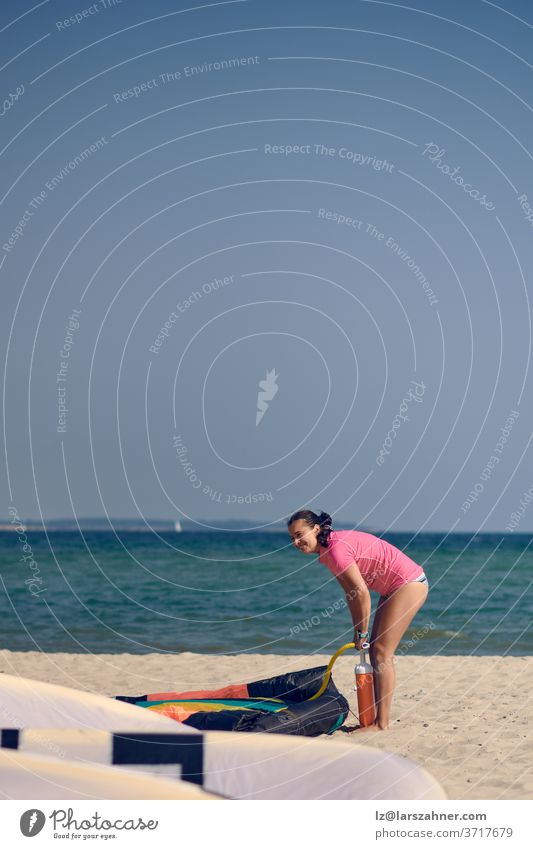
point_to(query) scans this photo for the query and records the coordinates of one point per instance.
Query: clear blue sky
(338, 194)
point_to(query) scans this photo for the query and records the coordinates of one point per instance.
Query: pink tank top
(383, 566)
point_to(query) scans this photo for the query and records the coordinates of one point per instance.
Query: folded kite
(280, 705)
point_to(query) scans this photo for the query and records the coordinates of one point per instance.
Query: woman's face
(304, 536)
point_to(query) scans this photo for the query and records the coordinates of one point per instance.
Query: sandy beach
(467, 720)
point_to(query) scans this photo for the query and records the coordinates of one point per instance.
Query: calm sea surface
(232, 592)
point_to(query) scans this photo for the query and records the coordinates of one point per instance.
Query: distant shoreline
(204, 526)
(90, 523)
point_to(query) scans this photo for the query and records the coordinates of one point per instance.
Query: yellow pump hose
(327, 675)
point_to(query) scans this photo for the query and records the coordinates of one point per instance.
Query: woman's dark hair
(323, 519)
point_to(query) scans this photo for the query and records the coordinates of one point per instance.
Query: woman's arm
(357, 597)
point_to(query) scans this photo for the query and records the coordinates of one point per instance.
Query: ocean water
(231, 592)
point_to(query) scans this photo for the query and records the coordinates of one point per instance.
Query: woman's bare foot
(373, 727)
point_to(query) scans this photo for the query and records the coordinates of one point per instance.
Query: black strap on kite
(10, 738)
(187, 750)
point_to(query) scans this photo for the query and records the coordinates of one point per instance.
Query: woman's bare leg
(393, 617)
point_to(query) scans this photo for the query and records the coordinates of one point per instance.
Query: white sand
(467, 720)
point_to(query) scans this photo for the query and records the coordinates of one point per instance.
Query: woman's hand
(361, 639)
